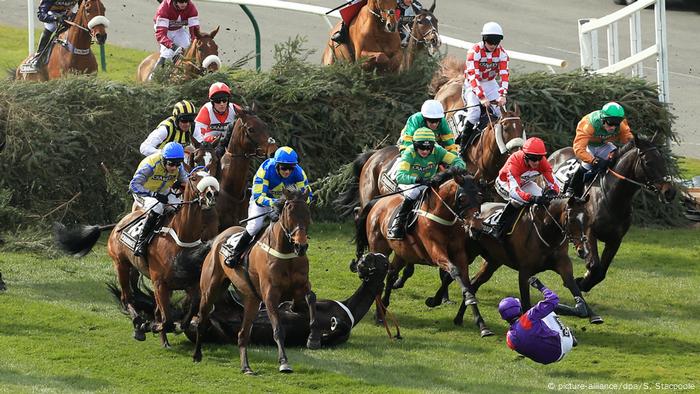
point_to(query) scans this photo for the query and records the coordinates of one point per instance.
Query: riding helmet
(424, 138)
(509, 308)
(184, 110)
(492, 33)
(286, 155)
(613, 113)
(432, 109)
(219, 89)
(173, 151)
(534, 146)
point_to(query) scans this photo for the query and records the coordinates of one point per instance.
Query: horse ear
(432, 7)
(213, 32)
(254, 107)
(517, 108)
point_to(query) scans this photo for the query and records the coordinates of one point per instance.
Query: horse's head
(463, 194)
(206, 52)
(295, 218)
(508, 129)
(647, 166)
(575, 224)
(371, 265)
(385, 11)
(91, 16)
(425, 31)
(206, 156)
(201, 189)
(251, 135)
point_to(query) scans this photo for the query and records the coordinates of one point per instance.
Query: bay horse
(437, 238)
(640, 165)
(424, 37)
(201, 57)
(372, 36)
(336, 319)
(276, 269)
(72, 53)
(249, 139)
(184, 230)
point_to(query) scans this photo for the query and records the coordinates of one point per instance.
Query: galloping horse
(640, 165)
(424, 36)
(538, 241)
(373, 36)
(194, 218)
(202, 56)
(73, 54)
(277, 269)
(250, 138)
(437, 238)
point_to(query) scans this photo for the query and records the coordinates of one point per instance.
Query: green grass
(61, 331)
(689, 167)
(121, 62)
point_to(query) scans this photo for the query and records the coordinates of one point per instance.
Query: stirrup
(232, 261)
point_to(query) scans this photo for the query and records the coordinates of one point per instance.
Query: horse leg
(441, 295)
(592, 261)
(405, 274)
(484, 274)
(467, 292)
(163, 304)
(314, 340)
(272, 300)
(523, 276)
(125, 281)
(210, 288)
(596, 273)
(396, 264)
(250, 310)
(582, 309)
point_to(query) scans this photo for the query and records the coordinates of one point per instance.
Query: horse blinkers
(660, 185)
(467, 197)
(98, 23)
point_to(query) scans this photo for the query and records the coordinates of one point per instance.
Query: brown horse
(184, 231)
(538, 241)
(640, 165)
(205, 156)
(373, 36)
(424, 37)
(249, 139)
(73, 54)
(202, 56)
(437, 238)
(277, 269)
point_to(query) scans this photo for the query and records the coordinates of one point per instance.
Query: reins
(383, 314)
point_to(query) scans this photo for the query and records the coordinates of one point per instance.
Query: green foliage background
(81, 134)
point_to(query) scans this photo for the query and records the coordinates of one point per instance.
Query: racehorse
(277, 269)
(424, 36)
(249, 139)
(205, 156)
(73, 55)
(373, 36)
(538, 241)
(437, 238)
(335, 319)
(639, 165)
(194, 217)
(202, 56)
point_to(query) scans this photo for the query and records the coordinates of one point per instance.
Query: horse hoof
(248, 371)
(486, 333)
(595, 319)
(397, 285)
(431, 303)
(285, 368)
(470, 301)
(458, 321)
(313, 344)
(447, 301)
(139, 335)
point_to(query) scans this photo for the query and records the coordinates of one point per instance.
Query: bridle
(289, 234)
(195, 59)
(648, 185)
(432, 32)
(85, 17)
(567, 236)
(457, 212)
(380, 14)
(258, 152)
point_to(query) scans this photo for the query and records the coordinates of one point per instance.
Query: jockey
(409, 9)
(274, 175)
(486, 61)
(176, 21)
(347, 14)
(417, 167)
(432, 116)
(150, 185)
(515, 182)
(593, 144)
(538, 334)
(215, 116)
(177, 127)
(52, 13)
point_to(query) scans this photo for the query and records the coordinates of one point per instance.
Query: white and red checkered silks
(483, 72)
(174, 26)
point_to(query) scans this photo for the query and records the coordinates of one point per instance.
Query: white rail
(588, 40)
(321, 11)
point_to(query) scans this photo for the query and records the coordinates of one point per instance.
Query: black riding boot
(341, 36)
(148, 227)
(43, 43)
(466, 135)
(576, 183)
(505, 221)
(160, 62)
(398, 227)
(233, 260)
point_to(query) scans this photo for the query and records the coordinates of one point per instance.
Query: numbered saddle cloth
(130, 235)
(227, 248)
(387, 180)
(565, 171)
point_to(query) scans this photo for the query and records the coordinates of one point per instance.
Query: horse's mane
(450, 67)
(627, 147)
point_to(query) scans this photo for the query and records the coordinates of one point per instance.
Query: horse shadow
(67, 383)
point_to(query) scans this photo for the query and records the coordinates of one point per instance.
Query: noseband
(564, 230)
(379, 14)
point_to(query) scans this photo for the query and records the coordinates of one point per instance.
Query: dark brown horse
(372, 36)
(184, 230)
(276, 270)
(202, 56)
(75, 56)
(640, 165)
(424, 37)
(249, 139)
(437, 238)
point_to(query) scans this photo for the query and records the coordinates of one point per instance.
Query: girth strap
(434, 218)
(267, 248)
(169, 230)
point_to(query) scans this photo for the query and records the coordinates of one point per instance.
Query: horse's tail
(361, 239)
(188, 263)
(450, 67)
(350, 197)
(79, 240)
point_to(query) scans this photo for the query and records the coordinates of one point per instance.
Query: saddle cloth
(130, 234)
(387, 179)
(230, 244)
(565, 171)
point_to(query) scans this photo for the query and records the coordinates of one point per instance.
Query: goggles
(492, 39)
(424, 145)
(286, 167)
(186, 119)
(533, 158)
(223, 99)
(173, 163)
(182, 1)
(613, 121)
(429, 120)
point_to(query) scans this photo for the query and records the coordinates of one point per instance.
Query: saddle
(130, 234)
(492, 220)
(412, 216)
